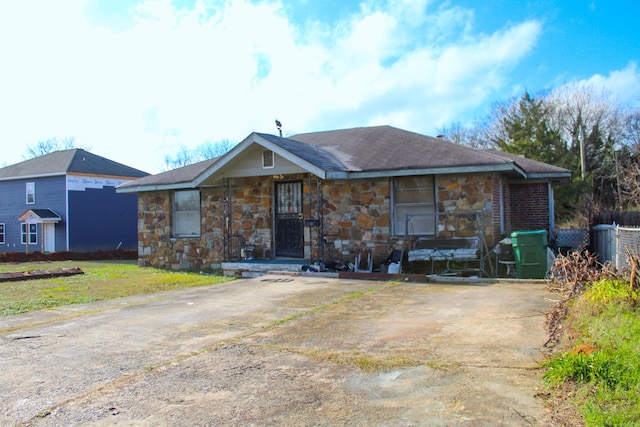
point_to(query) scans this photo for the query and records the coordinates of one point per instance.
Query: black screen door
(289, 220)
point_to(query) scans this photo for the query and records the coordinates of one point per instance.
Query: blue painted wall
(50, 194)
(101, 219)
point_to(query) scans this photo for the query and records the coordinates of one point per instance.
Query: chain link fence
(627, 242)
(609, 242)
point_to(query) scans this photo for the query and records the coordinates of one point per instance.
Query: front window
(186, 213)
(31, 193)
(30, 232)
(1, 233)
(414, 196)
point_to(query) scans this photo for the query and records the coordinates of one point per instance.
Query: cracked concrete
(264, 351)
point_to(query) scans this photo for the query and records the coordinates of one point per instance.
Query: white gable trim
(257, 139)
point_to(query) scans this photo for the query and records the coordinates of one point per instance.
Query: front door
(49, 234)
(289, 233)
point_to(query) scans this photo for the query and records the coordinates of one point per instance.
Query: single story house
(66, 201)
(335, 195)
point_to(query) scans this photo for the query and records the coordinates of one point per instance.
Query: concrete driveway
(281, 350)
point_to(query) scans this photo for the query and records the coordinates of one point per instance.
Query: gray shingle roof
(529, 165)
(44, 214)
(311, 153)
(378, 149)
(74, 160)
(181, 175)
(381, 148)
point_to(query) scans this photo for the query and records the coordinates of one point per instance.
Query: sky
(134, 81)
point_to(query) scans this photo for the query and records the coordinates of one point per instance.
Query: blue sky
(135, 80)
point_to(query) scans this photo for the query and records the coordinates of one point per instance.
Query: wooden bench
(458, 252)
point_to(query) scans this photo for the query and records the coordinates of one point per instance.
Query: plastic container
(530, 252)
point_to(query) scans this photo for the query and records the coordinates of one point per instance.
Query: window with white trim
(31, 193)
(186, 213)
(29, 231)
(415, 196)
(268, 161)
(1, 233)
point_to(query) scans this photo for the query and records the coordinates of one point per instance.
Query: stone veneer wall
(251, 213)
(356, 219)
(357, 216)
(458, 194)
(157, 247)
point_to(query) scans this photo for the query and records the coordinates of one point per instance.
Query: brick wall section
(495, 225)
(529, 206)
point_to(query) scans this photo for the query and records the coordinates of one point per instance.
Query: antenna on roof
(279, 126)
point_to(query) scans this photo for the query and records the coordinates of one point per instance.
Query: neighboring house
(336, 194)
(66, 201)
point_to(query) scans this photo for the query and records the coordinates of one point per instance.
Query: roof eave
(561, 178)
(155, 187)
(505, 167)
(32, 176)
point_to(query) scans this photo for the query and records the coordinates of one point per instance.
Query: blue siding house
(66, 201)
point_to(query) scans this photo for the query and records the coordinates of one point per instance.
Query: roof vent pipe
(279, 126)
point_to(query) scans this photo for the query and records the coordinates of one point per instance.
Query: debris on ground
(39, 274)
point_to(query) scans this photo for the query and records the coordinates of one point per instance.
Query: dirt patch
(264, 352)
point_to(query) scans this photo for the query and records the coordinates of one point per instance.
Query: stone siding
(356, 217)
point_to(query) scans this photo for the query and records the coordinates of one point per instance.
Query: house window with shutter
(186, 213)
(267, 159)
(414, 196)
(1, 233)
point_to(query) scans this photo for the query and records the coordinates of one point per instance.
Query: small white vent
(267, 159)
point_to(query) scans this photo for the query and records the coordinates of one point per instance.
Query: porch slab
(254, 268)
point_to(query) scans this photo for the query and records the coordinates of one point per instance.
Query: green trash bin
(530, 252)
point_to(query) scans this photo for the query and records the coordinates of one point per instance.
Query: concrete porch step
(254, 268)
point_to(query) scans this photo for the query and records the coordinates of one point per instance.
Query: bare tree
(211, 150)
(631, 130)
(207, 150)
(49, 146)
(183, 157)
(460, 135)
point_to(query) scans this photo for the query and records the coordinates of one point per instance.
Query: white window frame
(419, 201)
(186, 213)
(2, 233)
(268, 159)
(33, 233)
(31, 193)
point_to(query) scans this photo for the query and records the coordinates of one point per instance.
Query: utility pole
(583, 155)
(620, 201)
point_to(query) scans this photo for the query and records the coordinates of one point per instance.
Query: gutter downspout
(552, 213)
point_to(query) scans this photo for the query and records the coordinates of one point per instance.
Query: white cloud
(224, 69)
(624, 84)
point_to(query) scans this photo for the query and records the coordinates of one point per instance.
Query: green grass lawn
(603, 368)
(102, 280)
